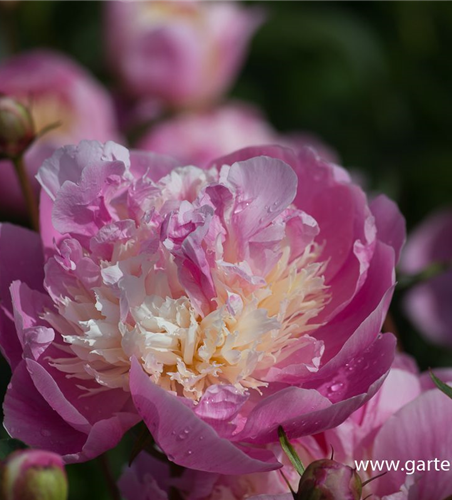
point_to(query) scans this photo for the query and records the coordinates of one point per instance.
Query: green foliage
(442, 386)
(8, 446)
(290, 451)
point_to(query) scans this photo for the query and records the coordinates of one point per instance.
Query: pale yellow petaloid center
(247, 333)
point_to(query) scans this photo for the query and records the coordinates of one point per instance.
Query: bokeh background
(372, 79)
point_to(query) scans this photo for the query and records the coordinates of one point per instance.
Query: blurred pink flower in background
(213, 304)
(404, 421)
(197, 138)
(57, 90)
(428, 304)
(183, 53)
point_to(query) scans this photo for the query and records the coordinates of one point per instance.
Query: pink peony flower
(57, 90)
(197, 138)
(182, 53)
(213, 304)
(404, 421)
(428, 304)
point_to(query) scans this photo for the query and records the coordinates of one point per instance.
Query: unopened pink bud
(329, 480)
(16, 128)
(34, 475)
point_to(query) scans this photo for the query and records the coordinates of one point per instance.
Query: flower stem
(27, 192)
(109, 479)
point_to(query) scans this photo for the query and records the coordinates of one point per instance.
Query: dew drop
(201, 438)
(189, 452)
(273, 207)
(170, 457)
(336, 387)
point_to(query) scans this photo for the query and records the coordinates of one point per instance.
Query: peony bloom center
(176, 283)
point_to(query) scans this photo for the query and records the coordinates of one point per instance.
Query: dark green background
(373, 79)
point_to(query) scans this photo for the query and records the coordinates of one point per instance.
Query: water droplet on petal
(336, 387)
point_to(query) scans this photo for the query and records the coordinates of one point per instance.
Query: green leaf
(442, 386)
(8, 446)
(290, 452)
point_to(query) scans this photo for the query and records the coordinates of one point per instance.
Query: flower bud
(329, 480)
(34, 475)
(16, 128)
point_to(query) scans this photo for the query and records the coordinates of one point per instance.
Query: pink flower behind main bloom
(181, 53)
(57, 91)
(428, 304)
(197, 138)
(404, 421)
(213, 304)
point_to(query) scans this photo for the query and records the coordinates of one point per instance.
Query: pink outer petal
(391, 227)
(103, 436)
(20, 259)
(24, 406)
(357, 326)
(49, 390)
(304, 412)
(76, 441)
(417, 432)
(184, 437)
